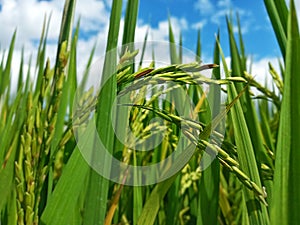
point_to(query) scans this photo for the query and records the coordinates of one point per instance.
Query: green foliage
(285, 200)
(44, 178)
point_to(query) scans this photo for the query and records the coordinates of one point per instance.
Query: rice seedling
(215, 163)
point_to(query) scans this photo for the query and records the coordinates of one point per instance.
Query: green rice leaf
(130, 23)
(256, 211)
(144, 48)
(5, 76)
(277, 17)
(173, 51)
(97, 192)
(41, 55)
(60, 210)
(198, 48)
(286, 198)
(210, 180)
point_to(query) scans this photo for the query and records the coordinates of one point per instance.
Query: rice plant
(220, 154)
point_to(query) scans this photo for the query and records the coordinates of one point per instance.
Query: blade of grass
(7, 175)
(20, 79)
(82, 84)
(67, 24)
(5, 76)
(68, 91)
(130, 23)
(238, 62)
(97, 192)
(198, 48)
(242, 47)
(10, 144)
(40, 61)
(210, 179)
(257, 213)
(128, 40)
(144, 48)
(180, 56)
(286, 199)
(62, 100)
(12, 209)
(70, 185)
(278, 20)
(153, 202)
(173, 51)
(71, 82)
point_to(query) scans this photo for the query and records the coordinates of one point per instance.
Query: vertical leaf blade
(286, 199)
(97, 192)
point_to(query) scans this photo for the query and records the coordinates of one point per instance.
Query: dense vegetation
(48, 142)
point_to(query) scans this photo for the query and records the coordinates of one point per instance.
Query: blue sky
(210, 15)
(187, 16)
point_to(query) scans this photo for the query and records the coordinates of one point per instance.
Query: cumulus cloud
(217, 12)
(162, 31)
(260, 69)
(199, 25)
(93, 14)
(204, 6)
(28, 17)
(224, 3)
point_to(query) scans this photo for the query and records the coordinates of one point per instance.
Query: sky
(187, 16)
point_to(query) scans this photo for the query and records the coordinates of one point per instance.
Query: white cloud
(93, 14)
(108, 3)
(221, 12)
(204, 6)
(224, 3)
(217, 12)
(199, 25)
(244, 28)
(260, 69)
(162, 31)
(261, 74)
(28, 17)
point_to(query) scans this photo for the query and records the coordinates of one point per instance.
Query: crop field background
(141, 139)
